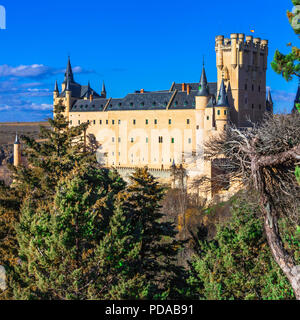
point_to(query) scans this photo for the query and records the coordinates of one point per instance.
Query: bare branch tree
(264, 158)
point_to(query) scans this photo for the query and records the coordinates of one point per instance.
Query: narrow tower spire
(69, 72)
(17, 141)
(17, 151)
(103, 91)
(203, 87)
(223, 99)
(269, 99)
(56, 87)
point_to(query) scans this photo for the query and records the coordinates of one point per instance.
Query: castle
(167, 128)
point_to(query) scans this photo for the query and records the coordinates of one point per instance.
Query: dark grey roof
(142, 101)
(222, 98)
(17, 141)
(79, 91)
(269, 98)
(203, 86)
(56, 87)
(87, 105)
(155, 100)
(212, 102)
(69, 72)
(212, 86)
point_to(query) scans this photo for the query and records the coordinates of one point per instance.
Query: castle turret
(68, 74)
(222, 109)
(242, 66)
(55, 92)
(202, 98)
(68, 99)
(103, 91)
(17, 152)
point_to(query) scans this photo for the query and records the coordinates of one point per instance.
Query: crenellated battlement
(242, 42)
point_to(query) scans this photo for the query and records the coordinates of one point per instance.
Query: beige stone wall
(132, 138)
(243, 64)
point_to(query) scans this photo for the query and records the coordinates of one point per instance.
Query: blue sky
(128, 44)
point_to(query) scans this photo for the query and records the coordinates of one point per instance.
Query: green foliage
(48, 160)
(288, 65)
(237, 264)
(79, 246)
(159, 247)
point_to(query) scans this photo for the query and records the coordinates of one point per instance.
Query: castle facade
(168, 128)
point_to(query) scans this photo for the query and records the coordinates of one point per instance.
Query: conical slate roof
(56, 87)
(69, 72)
(17, 141)
(222, 99)
(203, 86)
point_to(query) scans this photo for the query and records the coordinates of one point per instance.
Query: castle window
(160, 139)
(190, 140)
(155, 121)
(219, 112)
(94, 121)
(131, 104)
(172, 140)
(88, 121)
(252, 106)
(170, 121)
(146, 121)
(131, 140)
(153, 103)
(113, 139)
(225, 112)
(142, 104)
(119, 121)
(185, 103)
(81, 106)
(78, 121)
(70, 121)
(93, 106)
(146, 140)
(100, 121)
(258, 88)
(119, 104)
(101, 105)
(113, 121)
(197, 128)
(207, 118)
(134, 122)
(106, 121)
(246, 86)
(119, 139)
(253, 87)
(86, 106)
(187, 121)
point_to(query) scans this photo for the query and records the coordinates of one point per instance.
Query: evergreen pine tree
(61, 240)
(48, 160)
(237, 263)
(159, 247)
